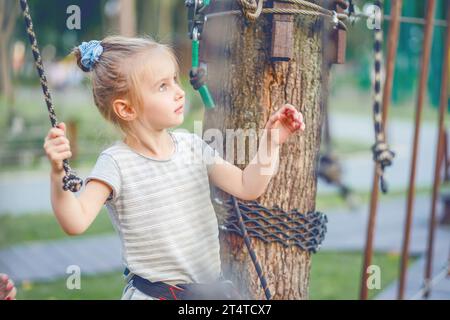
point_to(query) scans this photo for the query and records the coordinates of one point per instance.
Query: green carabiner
(203, 90)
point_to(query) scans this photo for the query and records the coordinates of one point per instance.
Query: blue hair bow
(90, 53)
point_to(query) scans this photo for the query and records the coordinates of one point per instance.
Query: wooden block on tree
(340, 46)
(282, 34)
(338, 42)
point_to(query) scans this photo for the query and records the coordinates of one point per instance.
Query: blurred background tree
(8, 15)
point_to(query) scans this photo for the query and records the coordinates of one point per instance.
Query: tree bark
(127, 18)
(165, 21)
(148, 17)
(248, 88)
(8, 15)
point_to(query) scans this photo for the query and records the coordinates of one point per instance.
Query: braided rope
(382, 155)
(252, 9)
(70, 181)
(262, 278)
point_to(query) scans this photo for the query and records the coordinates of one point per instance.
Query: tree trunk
(247, 88)
(5, 70)
(8, 15)
(127, 18)
(148, 17)
(165, 21)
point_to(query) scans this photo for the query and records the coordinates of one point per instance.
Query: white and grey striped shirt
(162, 210)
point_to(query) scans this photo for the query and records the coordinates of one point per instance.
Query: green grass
(336, 275)
(37, 227)
(334, 200)
(99, 287)
(347, 146)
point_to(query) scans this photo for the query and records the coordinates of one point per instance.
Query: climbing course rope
(70, 181)
(252, 9)
(382, 155)
(305, 231)
(252, 220)
(252, 253)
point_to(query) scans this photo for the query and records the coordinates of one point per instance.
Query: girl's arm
(74, 214)
(250, 183)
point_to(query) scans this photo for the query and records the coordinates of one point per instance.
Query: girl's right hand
(57, 147)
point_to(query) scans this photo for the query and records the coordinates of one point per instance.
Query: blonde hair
(118, 71)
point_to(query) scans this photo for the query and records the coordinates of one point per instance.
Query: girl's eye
(162, 87)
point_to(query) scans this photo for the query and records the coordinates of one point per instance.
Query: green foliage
(49, 20)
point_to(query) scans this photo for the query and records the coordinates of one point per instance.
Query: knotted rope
(382, 155)
(70, 181)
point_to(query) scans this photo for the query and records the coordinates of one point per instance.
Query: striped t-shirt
(162, 210)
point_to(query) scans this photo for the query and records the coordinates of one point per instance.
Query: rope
(382, 155)
(262, 278)
(305, 231)
(252, 220)
(70, 181)
(252, 9)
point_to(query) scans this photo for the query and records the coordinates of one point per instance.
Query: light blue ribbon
(90, 53)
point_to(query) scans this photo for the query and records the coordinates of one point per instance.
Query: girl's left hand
(287, 120)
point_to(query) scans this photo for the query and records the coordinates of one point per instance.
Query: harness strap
(220, 290)
(159, 290)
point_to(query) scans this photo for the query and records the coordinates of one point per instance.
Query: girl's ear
(124, 110)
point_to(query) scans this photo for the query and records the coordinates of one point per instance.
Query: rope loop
(71, 182)
(382, 154)
(251, 9)
(384, 157)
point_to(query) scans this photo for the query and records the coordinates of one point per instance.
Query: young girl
(158, 198)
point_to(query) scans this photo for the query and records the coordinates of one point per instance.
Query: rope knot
(71, 182)
(384, 157)
(382, 154)
(251, 8)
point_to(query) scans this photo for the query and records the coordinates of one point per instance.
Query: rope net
(305, 231)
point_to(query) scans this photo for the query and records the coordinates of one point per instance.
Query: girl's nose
(180, 93)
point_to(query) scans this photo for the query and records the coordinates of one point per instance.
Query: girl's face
(161, 95)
